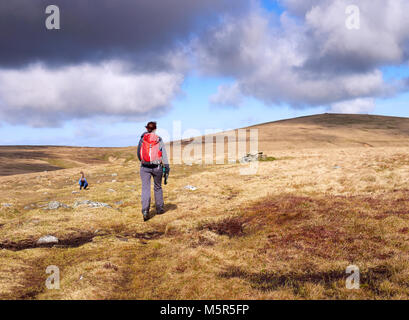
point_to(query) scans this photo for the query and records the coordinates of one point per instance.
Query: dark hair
(151, 126)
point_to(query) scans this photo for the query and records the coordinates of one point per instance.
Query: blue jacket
(85, 181)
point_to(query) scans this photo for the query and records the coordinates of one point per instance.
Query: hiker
(83, 182)
(154, 163)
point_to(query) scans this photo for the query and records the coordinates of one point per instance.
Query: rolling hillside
(318, 131)
(334, 130)
(27, 159)
(326, 131)
(334, 193)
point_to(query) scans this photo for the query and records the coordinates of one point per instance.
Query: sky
(112, 66)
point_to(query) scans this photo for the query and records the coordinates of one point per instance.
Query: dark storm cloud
(118, 59)
(93, 30)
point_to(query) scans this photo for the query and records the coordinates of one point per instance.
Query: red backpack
(150, 152)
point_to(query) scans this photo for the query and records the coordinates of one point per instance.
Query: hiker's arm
(139, 149)
(165, 159)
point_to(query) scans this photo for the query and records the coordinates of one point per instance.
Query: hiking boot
(160, 211)
(145, 215)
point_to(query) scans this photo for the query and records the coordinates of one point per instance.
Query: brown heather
(337, 194)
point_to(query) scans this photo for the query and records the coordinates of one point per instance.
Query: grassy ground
(287, 232)
(26, 159)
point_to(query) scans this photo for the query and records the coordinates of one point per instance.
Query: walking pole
(165, 175)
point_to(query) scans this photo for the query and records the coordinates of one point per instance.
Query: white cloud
(354, 106)
(227, 95)
(40, 96)
(311, 60)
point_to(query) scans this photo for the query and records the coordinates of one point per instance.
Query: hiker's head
(151, 126)
(82, 173)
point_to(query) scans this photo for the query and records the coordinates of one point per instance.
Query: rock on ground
(47, 240)
(53, 205)
(91, 204)
(252, 157)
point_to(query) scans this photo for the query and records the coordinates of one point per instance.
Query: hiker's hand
(167, 169)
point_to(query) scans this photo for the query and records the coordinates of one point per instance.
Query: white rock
(47, 240)
(191, 188)
(53, 205)
(91, 204)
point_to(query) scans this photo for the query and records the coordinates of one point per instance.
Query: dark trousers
(146, 174)
(83, 185)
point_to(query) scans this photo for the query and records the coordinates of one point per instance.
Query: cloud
(121, 59)
(300, 8)
(94, 30)
(354, 106)
(227, 95)
(307, 56)
(128, 59)
(39, 96)
(381, 39)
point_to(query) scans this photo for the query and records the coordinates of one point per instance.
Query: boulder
(91, 204)
(252, 157)
(54, 205)
(47, 240)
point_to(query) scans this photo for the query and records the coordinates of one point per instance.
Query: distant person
(83, 182)
(154, 162)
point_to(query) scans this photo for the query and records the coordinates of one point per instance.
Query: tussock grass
(287, 232)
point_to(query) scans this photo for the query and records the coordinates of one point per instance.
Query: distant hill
(327, 131)
(317, 131)
(333, 130)
(27, 159)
